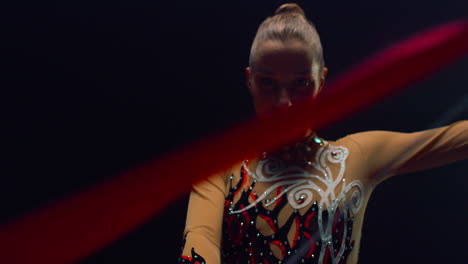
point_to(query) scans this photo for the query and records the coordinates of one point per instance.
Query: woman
(304, 203)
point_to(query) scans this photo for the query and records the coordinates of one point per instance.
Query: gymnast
(305, 202)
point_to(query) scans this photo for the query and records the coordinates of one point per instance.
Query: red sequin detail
(326, 258)
(254, 197)
(242, 243)
(251, 251)
(309, 219)
(246, 215)
(311, 250)
(269, 221)
(227, 202)
(297, 223)
(236, 232)
(244, 180)
(187, 258)
(281, 247)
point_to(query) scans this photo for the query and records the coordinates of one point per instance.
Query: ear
(248, 77)
(323, 77)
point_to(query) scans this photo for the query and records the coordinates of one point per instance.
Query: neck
(292, 151)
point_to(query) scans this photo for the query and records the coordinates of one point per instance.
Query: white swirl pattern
(300, 188)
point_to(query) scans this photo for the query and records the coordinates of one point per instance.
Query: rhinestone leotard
(311, 210)
(320, 234)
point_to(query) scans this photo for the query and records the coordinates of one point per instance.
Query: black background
(92, 88)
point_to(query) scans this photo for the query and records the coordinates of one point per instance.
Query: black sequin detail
(196, 259)
(243, 243)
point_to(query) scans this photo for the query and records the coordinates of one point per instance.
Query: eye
(302, 87)
(302, 82)
(266, 82)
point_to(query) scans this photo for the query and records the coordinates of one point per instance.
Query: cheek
(260, 96)
(263, 104)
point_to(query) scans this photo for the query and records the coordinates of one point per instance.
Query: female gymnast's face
(283, 73)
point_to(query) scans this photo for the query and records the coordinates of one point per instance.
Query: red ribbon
(82, 224)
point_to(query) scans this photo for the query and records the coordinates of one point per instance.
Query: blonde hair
(289, 23)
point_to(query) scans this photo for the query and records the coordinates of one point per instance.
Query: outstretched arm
(390, 153)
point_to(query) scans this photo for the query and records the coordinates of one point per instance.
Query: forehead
(274, 57)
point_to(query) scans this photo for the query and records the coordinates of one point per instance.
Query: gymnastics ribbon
(81, 224)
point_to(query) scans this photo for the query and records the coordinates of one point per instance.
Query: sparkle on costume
(322, 234)
(193, 259)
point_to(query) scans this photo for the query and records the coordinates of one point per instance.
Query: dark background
(92, 88)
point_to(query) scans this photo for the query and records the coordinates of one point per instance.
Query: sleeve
(390, 153)
(202, 234)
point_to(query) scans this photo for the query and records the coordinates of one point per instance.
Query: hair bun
(290, 8)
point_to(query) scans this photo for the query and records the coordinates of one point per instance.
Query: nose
(284, 100)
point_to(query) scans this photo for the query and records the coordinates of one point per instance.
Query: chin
(261, 114)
